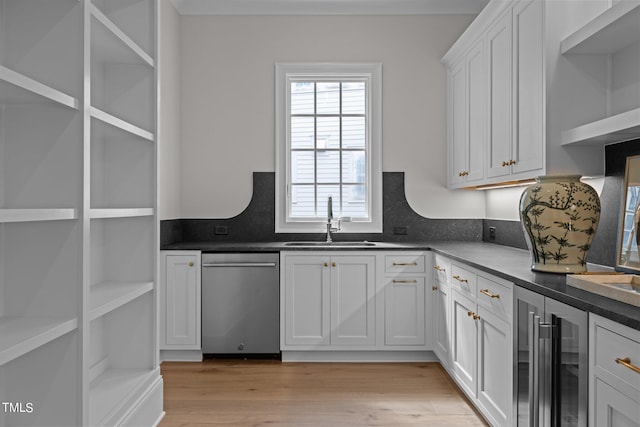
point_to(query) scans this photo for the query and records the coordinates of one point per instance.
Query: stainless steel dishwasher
(240, 303)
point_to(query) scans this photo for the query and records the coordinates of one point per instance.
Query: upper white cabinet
(78, 232)
(467, 112)
(607, 48)
(525, 110)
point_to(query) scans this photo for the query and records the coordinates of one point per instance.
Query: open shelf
(21, 335)
(610, 32)
(618, 128)
(29, 215)
(108, 296)
(112, 390)
(120, 124)
(110, 40)
(120, 213)
(16, 88)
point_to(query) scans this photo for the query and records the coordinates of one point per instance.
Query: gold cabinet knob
(434, 288)
(476, 316)
(512, 162)
(333, 264)
(470, 313)
(326, 264)
(504, 164)
(190, 264)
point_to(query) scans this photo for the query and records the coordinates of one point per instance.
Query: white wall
(227, 102)
(169, 120)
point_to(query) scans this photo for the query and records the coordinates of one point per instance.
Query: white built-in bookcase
(78, 225)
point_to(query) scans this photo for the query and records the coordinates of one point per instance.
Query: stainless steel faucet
(330, 227)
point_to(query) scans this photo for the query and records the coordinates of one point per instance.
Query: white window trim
(374, 72)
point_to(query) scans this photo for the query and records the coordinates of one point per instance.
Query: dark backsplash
(257, 222)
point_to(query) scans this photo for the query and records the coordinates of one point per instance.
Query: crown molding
(329, 7)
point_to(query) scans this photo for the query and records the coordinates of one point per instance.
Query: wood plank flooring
(260, 393)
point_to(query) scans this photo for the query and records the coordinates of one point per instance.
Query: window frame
(372, 73)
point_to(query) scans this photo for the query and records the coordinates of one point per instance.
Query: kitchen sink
(621, 287)
(330, 244)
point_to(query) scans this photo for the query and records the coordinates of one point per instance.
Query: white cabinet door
(404, 311)
(476, 93)
(528, 120)
(464, 342)
(614, 409)
(353, 300)
(180, 301)
(307, 310)
(499, 56)
(494, 358)
(458, 141)
(441, 321)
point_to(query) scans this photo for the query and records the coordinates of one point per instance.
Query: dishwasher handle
(240, 264)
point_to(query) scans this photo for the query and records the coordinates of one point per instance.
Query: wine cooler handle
(534, 369)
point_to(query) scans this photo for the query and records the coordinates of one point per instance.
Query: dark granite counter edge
(505, 262)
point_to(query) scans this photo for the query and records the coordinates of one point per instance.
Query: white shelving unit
(78, 227)
(612, 37)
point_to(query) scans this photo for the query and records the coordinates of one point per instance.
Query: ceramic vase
(560, 215)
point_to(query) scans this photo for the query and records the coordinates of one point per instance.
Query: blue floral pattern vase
(560, 215)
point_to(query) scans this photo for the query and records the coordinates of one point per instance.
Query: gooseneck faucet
(330, 227)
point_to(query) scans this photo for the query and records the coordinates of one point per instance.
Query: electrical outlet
(221, 230)
(400, 231)
(492, 233)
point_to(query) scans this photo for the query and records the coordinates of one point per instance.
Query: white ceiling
(328, 7)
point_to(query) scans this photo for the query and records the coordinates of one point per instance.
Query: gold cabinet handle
(326, 264)
(404, 281)
(460, 279)
(512, 162)
(505, 164)
(489, 294)
(470, 313)
(333, 264)
(190, 264)
(434, 288)
(438, 268)
(404, 264)
(476, 316)
(626, 362)
(463, 173)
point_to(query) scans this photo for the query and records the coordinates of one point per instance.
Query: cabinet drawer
(610, 345)
(441, 269)
(496, 296)
(404, 264)
(464, 280)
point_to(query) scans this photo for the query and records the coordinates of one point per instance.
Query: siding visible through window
(328, 148)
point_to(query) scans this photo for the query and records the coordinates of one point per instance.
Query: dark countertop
(506, 262)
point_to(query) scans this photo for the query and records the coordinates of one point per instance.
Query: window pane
(353, 98)
(324, 191)
(302, 97)
(301, 132)
(302, 167)
(353, 132)
(354, 167)
(328, 167)
(328, 132)
(302, 201)
(328, 97)
(354, 201)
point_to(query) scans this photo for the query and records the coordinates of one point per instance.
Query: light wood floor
(259, 393)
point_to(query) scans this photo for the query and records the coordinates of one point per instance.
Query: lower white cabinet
(441, 292)
(480, 339)
(329, 299)
(180, 300)
(614, 374)
(355, 301)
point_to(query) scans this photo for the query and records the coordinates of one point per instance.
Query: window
(328, 142)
